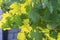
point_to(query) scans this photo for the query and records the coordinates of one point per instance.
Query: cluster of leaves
(43, 15)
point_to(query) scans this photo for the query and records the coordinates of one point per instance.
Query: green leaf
(34, 16)
(53, 34)
(54, 3)
(28, 8)
(38, 35)
(23, 16)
